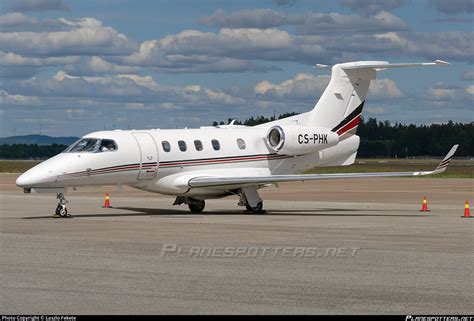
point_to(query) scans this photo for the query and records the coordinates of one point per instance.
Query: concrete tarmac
(367, 256)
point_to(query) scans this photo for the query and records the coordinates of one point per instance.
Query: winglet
(441, 62)
(445, 162)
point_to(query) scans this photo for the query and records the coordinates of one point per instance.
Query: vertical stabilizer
(341, 103)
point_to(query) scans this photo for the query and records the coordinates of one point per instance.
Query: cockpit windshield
(92, 145)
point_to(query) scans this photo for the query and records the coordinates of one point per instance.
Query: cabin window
(198, 145)
(182, 145)
(107, 145)
(241, 143)
(166, 146)
(215, 144)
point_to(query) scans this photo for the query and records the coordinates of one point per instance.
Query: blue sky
(73, 67)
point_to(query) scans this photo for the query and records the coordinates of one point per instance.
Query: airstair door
(148, 155)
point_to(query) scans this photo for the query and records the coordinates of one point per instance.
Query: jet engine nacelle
(299, 140)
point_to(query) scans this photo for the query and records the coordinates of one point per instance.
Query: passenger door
(148, 155)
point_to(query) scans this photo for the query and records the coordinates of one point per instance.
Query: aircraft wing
(213, 181)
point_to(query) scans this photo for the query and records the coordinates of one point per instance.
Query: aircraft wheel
(197, 206)
(63, 211)
(257, 209)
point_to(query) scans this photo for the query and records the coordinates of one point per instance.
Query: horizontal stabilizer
(382, 65)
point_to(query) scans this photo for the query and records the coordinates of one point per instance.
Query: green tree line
(382, 139)
(30, 151)
(378, 139)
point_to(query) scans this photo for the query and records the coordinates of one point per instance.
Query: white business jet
(214, 162)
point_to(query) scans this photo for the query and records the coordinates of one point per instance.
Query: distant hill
(38, 140)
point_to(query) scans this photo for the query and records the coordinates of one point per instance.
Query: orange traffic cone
(107, 201)
(424, 207)
(467, 211)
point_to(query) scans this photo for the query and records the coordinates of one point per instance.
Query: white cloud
(259, 18)
(195, 51)
(470, 90)
(453, 6)
(440, 93)
(192, 89)
(18, 72)
(335, 23)
(18, 100)
(17, 21)
(328, 38)
(227, 39)
(125, 88)
(97, 66)
(310, 23)
(86, 36)
(468, 75)
(376, 111)
(372, 6)
(301, 86)
(239, 49)
(384, 88)
(450, 97)
(455, 45)
(304, 86)
(12, 59)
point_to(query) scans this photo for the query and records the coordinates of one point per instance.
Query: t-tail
(340, 106)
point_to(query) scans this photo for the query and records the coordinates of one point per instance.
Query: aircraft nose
(34, 177)
(25, 180)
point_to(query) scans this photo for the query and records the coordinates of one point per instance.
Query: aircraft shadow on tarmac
(335, 212)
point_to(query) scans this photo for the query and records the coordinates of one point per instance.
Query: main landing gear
(196, 206)
(248, 197)
(61, 210)
(251, 200)
(258, 209)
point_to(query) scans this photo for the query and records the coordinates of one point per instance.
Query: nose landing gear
(61, 210)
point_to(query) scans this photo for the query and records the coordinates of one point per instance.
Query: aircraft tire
(197, 206)
(257, 209)
(63, 212)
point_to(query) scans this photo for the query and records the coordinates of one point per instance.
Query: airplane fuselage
(162, 161)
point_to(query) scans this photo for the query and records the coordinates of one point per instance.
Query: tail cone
(424, 207)
(107, 201)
